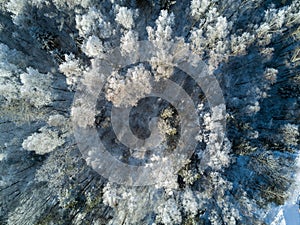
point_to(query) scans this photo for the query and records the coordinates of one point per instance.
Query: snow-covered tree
(50, 49)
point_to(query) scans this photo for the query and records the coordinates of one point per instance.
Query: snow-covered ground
(285, 215)
(291, 214)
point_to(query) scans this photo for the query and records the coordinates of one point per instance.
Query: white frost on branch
(198, 7)
(93, 23)
(43, 142)
(32, 86)
(72, 69)
(163, 31)
(271, 75)
(216, 154)
(212, 38)
(161, 37)
(16, 7)
(127, 90)
(129, 41)
(36, 87)
(72, 4)
(239, 44)
(136, 203)
(93, 46)
(129, 38)
(189, 203)
(276, 21)
(125, 17)
(9, 73)
(291, 134)
(168, 213)
(61, 122)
